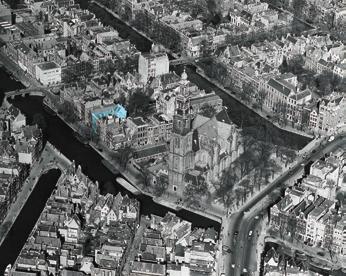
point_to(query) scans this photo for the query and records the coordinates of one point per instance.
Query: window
(177, 143)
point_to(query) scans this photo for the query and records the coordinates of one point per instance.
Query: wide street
(245, 220)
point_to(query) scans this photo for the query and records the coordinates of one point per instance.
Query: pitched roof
(279, 87)
(212, 128)
(223, 117)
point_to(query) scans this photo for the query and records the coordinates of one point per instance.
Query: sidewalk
(236, 208)
(334, 264)
(260, 245)
(213, 212)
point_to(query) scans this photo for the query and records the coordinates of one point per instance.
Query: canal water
(26, 220)
(63, 138)
(238, 113)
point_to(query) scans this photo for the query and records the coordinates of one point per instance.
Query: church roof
(222, 116)
(212, 127)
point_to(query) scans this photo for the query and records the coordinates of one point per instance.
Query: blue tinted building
(117, 111)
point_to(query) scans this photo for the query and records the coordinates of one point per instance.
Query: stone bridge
(28, 91)
(52, 158)
(183, 60)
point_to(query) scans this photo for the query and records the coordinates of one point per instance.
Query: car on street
(331, 138)
(250, 233)
(225, 248)
(236, 233)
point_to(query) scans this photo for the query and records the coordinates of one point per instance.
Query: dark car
(225, 248)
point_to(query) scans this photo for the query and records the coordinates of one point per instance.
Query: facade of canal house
(76, 210)
(200, 147)
(112, 111)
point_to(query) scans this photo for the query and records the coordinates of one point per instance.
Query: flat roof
(48, 65)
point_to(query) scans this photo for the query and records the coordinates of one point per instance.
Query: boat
(8, 270)
(128, 186)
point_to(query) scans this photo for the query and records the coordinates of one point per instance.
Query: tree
(261, 97)
(245, 162)
(38, 119)
(67, 109)
(313, 13)
(207, 110)
(227, 183)
(205, 48)
(160, 186)
(294, 65)
(121, 99)
(194, 191)
(139, 104)
(327, 82)
(289, 155)
(296, 26)
(108, 66)
(69, 76)
(248, 91)
(298, 7)
(85, 131)
(215, 69)
(123, 155)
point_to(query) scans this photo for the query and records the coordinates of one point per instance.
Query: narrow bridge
(38, 91)
(52, 158)
(183, 60)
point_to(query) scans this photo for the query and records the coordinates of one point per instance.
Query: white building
(331, 113)
(48, 73)
(106, 36)
(153, 64)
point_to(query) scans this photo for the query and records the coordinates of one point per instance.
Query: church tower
(181, 156)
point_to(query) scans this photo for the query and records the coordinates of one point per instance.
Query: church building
(200, 147)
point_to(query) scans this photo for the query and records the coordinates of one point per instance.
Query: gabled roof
(223, 117)
(279, 87)
(212, 128)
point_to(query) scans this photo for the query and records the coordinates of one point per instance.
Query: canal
(27, 218)
(238, 113)
(63, 138)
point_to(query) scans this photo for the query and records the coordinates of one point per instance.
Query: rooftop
(48, 65)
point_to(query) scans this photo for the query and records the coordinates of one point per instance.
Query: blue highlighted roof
(117, 111)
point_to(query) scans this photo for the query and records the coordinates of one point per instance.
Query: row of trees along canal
(239, 114)
(260, 137)
(63, 138)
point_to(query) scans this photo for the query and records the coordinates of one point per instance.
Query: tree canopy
(207, 110)
(139, 104)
